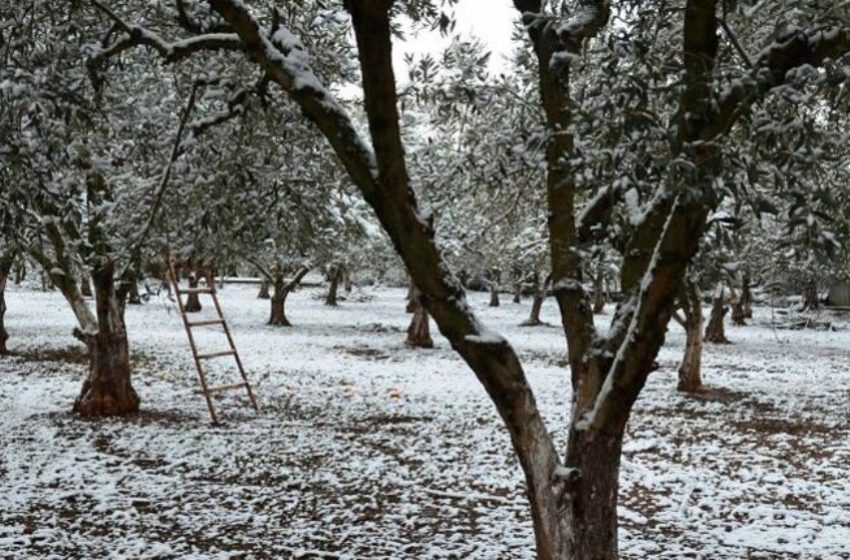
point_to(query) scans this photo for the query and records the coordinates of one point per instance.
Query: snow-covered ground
(366, 449)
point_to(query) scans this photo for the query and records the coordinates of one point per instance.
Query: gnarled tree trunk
(518, 281)
(690, 373)
(419, 332)
(494, 294)
(810, 295)
(336, 276)
(193, 302)
(746, 296)
(85, 284)
(133, 296)
(281, 292)
(715, 331)
(264, 289)
(5, 268)
(107, 391)
(278, 302)
(537, 302)
(599, 291)
(494, 278)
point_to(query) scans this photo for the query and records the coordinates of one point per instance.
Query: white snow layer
(367, 449)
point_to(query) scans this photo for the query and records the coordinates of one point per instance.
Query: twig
(166, 175)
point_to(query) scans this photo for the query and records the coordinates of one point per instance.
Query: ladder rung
(206, 323)
(216, 354)
(195, 291)
(220, 388)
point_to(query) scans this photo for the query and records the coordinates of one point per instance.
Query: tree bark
(336, 276)
(412, 302)
(134, 298)
(85, 284)
(193, 302)
(518, 281)
(278, 303)
(281, 292)
(494, 294)
(419, 331)
(599, 291)
(537, 302)
(264, 289)
(742, 308)
(746, 296)
(107, 391)
(810, 295)
(715, 332)
(5, 268)
(690, 374)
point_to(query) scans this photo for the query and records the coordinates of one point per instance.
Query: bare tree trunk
(690, 374)
(494, 294)
(741, 304)
(810, 295)
(537, 302)
(278, 303)
(599, 291)
(419, 333)
(20, 273)
(107, 391)
(336, 276)
(746, 296)
(5, 268)
(85, 284)
(193, 302)
(347, 280)
(281, 292)
(518, 278)
(264, 289)
(134, 298)
(411, 298)
(715, 331)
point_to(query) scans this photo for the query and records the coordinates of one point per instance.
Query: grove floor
(366, 449)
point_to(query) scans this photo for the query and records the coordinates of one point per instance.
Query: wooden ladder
(189, 325)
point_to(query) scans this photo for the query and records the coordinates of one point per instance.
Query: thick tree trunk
(193, 302)
(537, 302)
(5, 268)
(85, 284)
(336, 276)
(264, 289)
(518, 281)
(746, 296)
(133, 294)
(278, 303)
(107, 391)
(810, 295)
(412, 302)
(346, 275)
(495, 277)
(599, 291)
(591, 497)
(690, 371)
(536, 306)
(715, 331)
(419, 332)
(20, 273)
(494, 294)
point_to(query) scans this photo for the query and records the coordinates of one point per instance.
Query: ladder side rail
(201, 377)
(224, 324)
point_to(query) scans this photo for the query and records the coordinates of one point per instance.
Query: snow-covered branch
(171, 51)
(812, 47)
